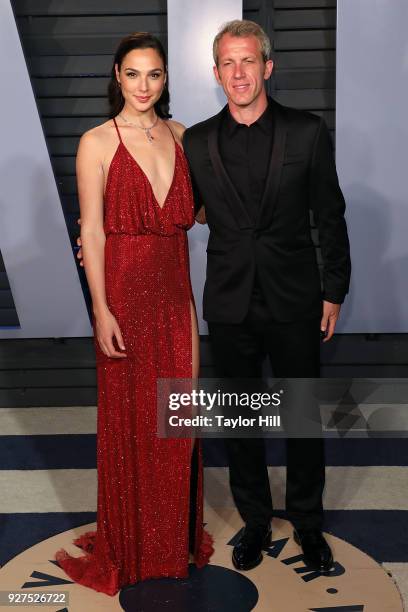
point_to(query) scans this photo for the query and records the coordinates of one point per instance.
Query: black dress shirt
(245, 152)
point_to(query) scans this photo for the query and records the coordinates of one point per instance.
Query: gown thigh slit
(150, 489)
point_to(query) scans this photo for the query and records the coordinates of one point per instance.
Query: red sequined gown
(143, 481)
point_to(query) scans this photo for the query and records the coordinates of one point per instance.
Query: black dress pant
(294, 351)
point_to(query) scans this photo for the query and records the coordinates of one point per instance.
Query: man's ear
(217, 74)
(268, 69)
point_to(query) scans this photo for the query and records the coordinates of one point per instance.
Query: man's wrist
(333, 299)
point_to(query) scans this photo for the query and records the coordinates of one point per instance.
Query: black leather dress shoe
(316, 551)
(248, 552)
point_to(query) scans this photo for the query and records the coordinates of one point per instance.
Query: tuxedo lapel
(275, 167)
(232, 198)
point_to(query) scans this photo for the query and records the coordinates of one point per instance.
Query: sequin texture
(143, 503)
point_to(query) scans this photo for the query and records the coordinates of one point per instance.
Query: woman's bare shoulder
(100, 134)
(99, 138)
(178, 128)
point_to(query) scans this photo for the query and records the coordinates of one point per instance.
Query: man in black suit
(258, 168)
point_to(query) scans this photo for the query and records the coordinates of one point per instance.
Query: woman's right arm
(90, 180)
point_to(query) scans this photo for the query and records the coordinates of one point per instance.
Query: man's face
(241, 69)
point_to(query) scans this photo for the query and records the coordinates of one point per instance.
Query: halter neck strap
(171, 131)
(117, 129)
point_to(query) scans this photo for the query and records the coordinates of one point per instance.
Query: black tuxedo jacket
(302, 176)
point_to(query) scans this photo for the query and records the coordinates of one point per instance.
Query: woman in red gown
(136, 206)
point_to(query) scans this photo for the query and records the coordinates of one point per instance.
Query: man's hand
(329, 319)
(79, 243)
(200, 216)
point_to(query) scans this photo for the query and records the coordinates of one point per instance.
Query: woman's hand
(107, 328)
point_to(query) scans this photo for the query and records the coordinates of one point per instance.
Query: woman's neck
(141, 118)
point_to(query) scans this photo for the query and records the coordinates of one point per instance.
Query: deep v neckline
(121, 143)
(161, 206)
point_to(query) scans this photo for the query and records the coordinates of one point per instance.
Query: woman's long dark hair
(138, 40)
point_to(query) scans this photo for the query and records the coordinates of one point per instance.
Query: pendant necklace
(146, 130)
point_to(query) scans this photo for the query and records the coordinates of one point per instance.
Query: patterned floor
(48, 487)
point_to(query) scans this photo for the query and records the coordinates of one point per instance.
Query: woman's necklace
(145, 129)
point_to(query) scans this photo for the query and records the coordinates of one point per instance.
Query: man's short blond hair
(243, 27)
